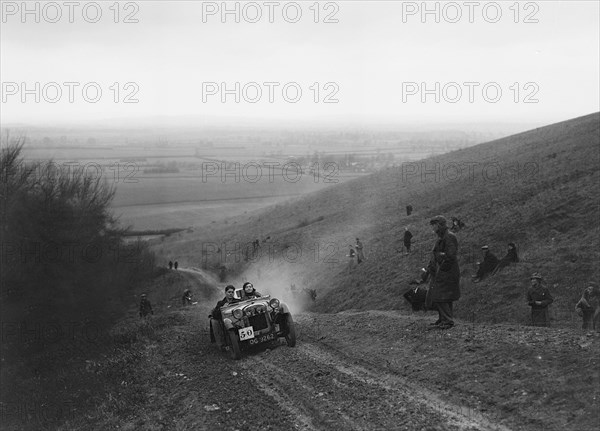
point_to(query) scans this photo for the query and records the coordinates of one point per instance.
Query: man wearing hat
(145, 306)
(487, 266)
(444, 287)
(539, 298)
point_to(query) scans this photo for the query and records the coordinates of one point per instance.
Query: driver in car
(217, 334)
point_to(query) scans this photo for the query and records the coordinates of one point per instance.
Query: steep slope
(538, 189)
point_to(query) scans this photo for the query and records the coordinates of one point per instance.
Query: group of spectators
(443, 277)
(490, 264)
(173, 265)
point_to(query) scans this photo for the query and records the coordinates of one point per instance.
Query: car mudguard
(228, 324)
(283, 308)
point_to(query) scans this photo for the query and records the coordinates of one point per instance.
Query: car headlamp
(274, 303)
(238, 313)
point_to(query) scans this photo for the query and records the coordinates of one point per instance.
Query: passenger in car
(249, 292)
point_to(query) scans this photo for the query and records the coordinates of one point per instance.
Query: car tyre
(290, 327)
(235, 351)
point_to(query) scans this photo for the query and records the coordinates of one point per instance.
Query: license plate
(246, 333)
(262, 339)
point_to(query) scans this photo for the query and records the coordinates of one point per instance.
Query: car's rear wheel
(290, 327)
(234, 350)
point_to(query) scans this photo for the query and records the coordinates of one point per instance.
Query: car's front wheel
(290, 327)
(235, 351)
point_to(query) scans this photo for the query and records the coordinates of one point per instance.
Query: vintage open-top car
(250, 323)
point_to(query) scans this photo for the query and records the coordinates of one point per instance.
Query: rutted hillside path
(309, 387)
(360, 371)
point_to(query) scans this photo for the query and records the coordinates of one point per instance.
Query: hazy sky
(371, 57)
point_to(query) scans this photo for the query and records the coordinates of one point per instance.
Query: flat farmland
(197, 184)
(188, 199)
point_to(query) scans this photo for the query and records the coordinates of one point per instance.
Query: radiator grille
(258, 322)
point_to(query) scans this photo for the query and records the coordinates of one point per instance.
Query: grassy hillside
(538, 189)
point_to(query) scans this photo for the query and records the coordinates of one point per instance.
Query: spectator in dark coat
(170, 265)
(351, 254)
(360, 256)
(409, 209)
(407, 239)
(588, 306)
(145, 306)
(444, 287)
(511, 257)
(489, 264)
(539, 298)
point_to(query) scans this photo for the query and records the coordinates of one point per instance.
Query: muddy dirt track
(308, 387)
(349, 371)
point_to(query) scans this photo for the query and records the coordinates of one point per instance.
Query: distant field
(182, 201)
(193, 196)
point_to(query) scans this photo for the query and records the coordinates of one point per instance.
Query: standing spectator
(444, 287)
(145, 306)
(407, 239)
(175, 265)
(490, 261)
(170, 265)
(539, 298)
(359, 251)
(588, 305)
(351, 254)
(511, 256)
(409, 209)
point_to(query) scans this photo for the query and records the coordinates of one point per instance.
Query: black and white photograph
(355, 215)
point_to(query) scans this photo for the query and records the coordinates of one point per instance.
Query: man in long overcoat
(539, 298)
(444, 286)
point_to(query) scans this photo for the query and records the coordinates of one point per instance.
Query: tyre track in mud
(325, 390)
